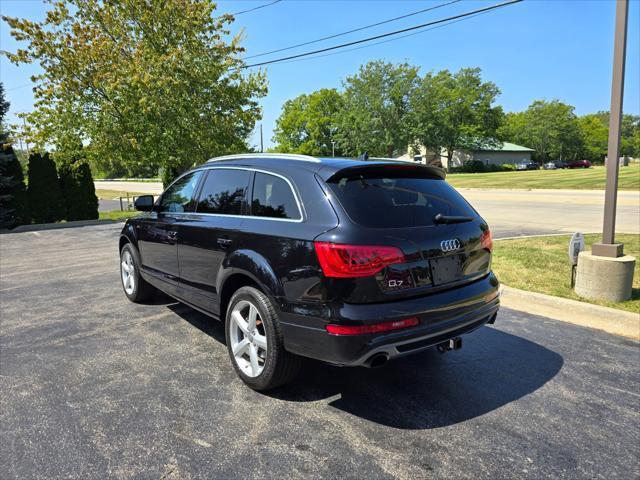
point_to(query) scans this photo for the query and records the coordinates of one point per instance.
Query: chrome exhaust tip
(377, 360)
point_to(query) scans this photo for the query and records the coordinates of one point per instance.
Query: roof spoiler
(391, 165)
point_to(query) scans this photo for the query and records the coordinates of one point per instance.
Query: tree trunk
(390, 151)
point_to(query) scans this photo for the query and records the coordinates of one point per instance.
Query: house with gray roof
(500, 155)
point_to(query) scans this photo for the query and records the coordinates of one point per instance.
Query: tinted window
(272, 197)
(388, 199)
(178, 197)
(223, 192)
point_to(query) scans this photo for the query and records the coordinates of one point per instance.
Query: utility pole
(261, 142)
(24, 129)
(608, 247)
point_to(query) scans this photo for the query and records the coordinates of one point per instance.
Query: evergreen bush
(44, 198)
(78, 191)
(13, 194)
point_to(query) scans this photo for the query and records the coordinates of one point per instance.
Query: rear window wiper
(448, 219)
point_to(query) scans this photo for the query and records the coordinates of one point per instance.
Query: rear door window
(273, 197)
(223, 192)
(396, 199)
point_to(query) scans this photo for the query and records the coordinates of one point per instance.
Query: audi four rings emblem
(450, 245)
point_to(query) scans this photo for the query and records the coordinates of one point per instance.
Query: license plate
(445, 269)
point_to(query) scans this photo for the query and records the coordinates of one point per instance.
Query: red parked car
(579, 164)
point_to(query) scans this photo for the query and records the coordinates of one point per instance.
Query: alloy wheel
(127, 269)
(248, 338)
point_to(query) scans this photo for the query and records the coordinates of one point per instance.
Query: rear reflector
(486, 241)
(372, 328)
(344, 261)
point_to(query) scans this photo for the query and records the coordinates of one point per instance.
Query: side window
(177, 198)
(273, 197)
(223, 191)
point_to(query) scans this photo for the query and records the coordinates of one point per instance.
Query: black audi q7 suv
(351, 262)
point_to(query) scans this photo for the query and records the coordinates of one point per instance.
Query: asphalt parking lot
(92, 386)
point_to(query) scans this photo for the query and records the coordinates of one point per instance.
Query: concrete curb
(611, 320)
(56, 226)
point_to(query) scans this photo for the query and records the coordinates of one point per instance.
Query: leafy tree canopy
(595, 134)
(307, 123)
(142, 83)
(455, 111)
(374, 117)
(550, 128)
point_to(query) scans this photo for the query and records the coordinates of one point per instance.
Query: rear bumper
(443, 315)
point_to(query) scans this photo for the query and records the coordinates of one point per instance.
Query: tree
(307, 123)
(595, 134)
(455, 112)
(374, 117)
(12, 188)
(145, 84)
(13, 195)
(44, 197)
(550, 128)
(78, 190)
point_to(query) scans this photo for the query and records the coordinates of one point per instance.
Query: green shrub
(44, 198)
(78, 191)
(476, 166)
(13, 193)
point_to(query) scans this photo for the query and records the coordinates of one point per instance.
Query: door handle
(224, 242)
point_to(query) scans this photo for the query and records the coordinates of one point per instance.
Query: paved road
(509, 212)
(92, 386)
(530, 212)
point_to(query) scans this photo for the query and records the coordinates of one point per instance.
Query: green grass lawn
(118, 215)
(113, 194)
(579, 179)
(541, 265)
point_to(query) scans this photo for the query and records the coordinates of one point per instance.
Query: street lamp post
(606, 273)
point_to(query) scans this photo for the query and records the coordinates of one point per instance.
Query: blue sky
(535, 49)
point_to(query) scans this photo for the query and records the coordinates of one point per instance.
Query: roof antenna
(364, 156)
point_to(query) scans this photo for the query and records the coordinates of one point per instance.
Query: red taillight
(344, 261)
(486, 241)
(373, 328)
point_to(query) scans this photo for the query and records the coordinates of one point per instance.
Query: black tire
(142, 290)
(280, 366)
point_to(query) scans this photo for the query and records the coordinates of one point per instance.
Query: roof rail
(378, 159)
(284, 156)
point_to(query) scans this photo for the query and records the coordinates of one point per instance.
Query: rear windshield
(388, 199)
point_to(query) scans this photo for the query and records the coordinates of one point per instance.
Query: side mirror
(144, 203)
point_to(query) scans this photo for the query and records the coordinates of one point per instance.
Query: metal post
(333, 148)
(261, 142)
(608, 247)
(24, 129)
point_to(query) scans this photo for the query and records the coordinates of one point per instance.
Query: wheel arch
(246, 268)
(127, 236)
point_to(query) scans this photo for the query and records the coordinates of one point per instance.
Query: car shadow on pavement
(424, 390)
(431, 390)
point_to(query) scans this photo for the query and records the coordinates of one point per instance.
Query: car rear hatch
(416, 233)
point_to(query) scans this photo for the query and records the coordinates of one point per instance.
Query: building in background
(509, 153)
